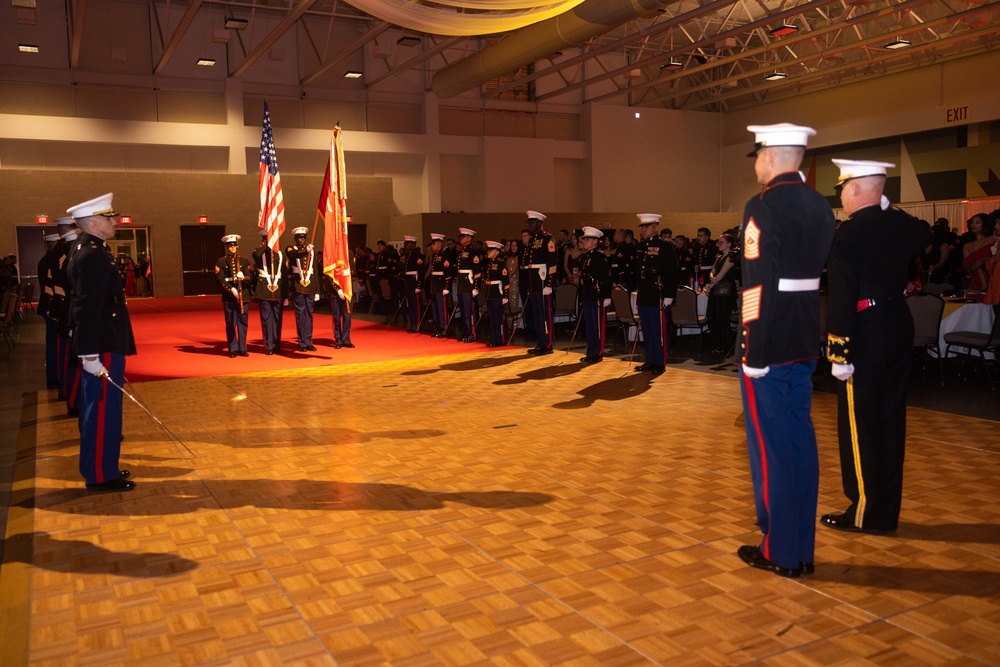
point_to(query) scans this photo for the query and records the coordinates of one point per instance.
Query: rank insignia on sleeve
(751, 240)
(751, 303)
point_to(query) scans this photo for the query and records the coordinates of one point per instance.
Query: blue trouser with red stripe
(784, 464)
(541, 311)
(101, 421)
(69, 373)
(51, 351)
(653, 320)
(469, 308)
(595, 319)
(494, 308)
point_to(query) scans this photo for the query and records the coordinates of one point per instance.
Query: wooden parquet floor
(480, 510)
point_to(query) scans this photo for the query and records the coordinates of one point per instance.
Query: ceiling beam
(291, 18)
(79, 10)
(416, 60)
(178, 35)
(346, 52)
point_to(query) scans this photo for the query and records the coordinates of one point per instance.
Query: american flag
(272, 205)
(332, 207)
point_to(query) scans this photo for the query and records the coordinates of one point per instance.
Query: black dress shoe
(269, 352)
(657, 370)
(336, 346)
(494, 344)
(534, 350)
(348, 345)
(440, 334)
(807, 568)
(232, 355)
(119, 484)
(644, 367)
(125, 474)
(591, 360)
(310, 348)
(243, 354)
(752, 556)
(841, 522)
(544, 351)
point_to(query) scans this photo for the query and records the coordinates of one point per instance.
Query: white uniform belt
(798, 284)
(539, 266)
(437, 273)
(383, 268)
(469, 271)
(707, 268)
(413, 273)
(526, 266)
(494, 282)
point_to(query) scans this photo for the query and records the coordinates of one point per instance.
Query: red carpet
(186, 337)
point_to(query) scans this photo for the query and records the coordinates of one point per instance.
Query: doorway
(199, 251)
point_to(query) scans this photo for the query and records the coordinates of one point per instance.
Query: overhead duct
(592, 18)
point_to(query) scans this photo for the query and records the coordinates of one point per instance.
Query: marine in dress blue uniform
(69, 363)
(102, 338)
(269, 291)
(496, 283)
(656, 286)
(304, 277)
(542, 263)
(869, 324)
(439, 280)
(413, 264)
(787, 231)
(45, 271)
(234, 275)
(341, 307)
(595, 293)
(469, 270)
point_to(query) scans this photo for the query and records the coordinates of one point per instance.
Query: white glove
(235, 292)
(475, 292)
(546, 291)
(993, 250)
(503, 302)
(842, 372)
(239, 275)
(309, 247)
(445, 292)
(296, 269)
(607, 302)
(417, 290)
(752, 372)
(340, 294)
(315, 297)
(93, 366)
(667, 301)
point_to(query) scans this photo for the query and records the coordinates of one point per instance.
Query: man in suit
(102, 338)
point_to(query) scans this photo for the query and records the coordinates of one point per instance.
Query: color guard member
(269, 292)
(595, 293)
(656, 287)
(469, 272)
(441, 268)
(102, 338)
(543, 261)
(787, 231)
(341, 314)
(69, 364)
(496, 282)
(233, 274)
(869, 345)
(304, 276)
(413, 265)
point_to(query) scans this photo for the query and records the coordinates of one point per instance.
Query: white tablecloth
(970, 317)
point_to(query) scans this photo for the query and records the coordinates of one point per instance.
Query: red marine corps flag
(333, 207)
(272, 206)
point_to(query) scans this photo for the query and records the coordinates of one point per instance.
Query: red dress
(982, 253)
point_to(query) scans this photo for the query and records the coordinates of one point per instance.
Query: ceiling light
(896, 44)
(783, 29)
(408, 40)
(353, 75)
(206, 62)
(236, 24)
(27, 48)
(775, 76)
(672, 65)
